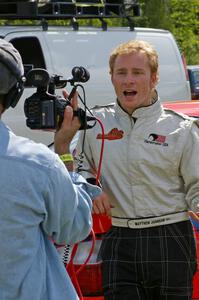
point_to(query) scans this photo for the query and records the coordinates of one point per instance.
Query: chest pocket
(154, 155)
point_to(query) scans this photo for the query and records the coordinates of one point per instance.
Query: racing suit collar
(147, 111)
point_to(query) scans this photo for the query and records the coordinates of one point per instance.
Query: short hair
(135, 46)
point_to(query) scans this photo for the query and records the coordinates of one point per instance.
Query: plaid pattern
(152, 263)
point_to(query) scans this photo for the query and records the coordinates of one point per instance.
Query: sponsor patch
(156, 139)
(114, 134)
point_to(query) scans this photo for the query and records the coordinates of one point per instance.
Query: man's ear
(154, 79)
(111, 74)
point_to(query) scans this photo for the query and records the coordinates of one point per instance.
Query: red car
(84, 267)
(190, 108)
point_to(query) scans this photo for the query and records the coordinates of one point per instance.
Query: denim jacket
(40, 201)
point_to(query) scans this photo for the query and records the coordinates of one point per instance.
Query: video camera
(44, 109)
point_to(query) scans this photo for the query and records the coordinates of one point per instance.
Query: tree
(185, 27)
(181, 17)
(155, 13)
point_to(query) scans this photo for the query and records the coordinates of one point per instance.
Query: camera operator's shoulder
(31, 152)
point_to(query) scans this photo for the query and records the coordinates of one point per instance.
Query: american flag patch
(160, 138)
(157, 138)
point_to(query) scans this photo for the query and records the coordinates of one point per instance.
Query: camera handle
(72, 93)
(80, 113)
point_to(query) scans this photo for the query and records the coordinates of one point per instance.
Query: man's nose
(130, 77)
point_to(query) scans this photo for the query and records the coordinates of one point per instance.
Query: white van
(59, 49)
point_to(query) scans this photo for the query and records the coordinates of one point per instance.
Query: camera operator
(40, 200)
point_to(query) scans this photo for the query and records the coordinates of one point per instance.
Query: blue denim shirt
(38, 200)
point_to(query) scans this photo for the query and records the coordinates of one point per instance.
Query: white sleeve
(189, 168)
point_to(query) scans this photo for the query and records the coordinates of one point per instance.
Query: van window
(31, 52)
(196, 77)
(193, 72)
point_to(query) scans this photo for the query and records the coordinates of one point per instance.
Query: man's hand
(68, 128)
(101, 205)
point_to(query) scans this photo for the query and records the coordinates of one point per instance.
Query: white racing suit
(150, 171)
(150, 162)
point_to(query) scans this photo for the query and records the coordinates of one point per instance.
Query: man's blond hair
(135, 46)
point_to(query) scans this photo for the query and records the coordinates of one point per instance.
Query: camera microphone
(80, 74)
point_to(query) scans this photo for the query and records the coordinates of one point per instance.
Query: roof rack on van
(79, 9)
(72, 10)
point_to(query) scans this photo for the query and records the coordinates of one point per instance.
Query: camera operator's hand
(68, 128)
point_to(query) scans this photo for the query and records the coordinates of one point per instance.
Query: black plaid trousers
(151, 263)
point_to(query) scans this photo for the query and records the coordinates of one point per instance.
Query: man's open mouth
(130, 93)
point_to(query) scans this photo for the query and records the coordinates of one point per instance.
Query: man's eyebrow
(138, 69)
(123, 69)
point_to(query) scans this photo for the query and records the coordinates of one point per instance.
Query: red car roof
(190, 108)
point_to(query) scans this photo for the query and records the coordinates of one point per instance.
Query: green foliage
(185, 27)
(181, 17)
(155, 13)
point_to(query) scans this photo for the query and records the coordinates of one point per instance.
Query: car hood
(190, 108)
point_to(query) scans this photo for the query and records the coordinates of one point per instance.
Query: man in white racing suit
(151, 176)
